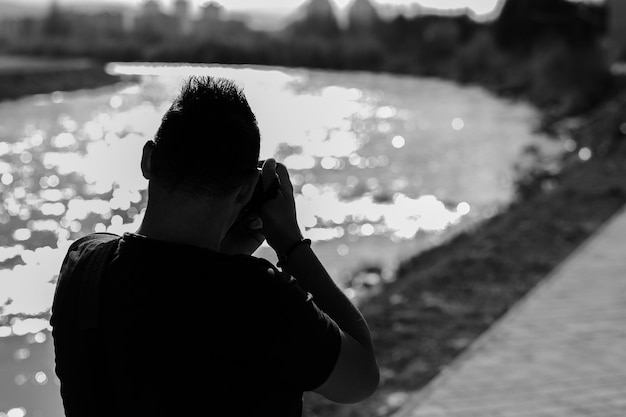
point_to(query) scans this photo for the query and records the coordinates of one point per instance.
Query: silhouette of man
(179, 318)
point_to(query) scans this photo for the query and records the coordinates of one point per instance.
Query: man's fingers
(257, 235)
(268, 172)
(256, 223)
(283, 175)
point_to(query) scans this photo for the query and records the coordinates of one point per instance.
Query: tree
(523, 24)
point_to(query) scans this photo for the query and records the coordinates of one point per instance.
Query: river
(383, 166)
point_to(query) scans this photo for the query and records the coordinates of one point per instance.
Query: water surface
(374, 158)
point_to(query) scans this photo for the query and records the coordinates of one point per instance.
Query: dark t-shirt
(190, 331)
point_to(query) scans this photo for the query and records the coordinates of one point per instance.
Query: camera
(260, 195)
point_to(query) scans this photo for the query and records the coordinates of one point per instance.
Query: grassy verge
(444, 298)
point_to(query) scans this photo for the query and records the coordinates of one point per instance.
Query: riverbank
(444, 298)
(23, 76)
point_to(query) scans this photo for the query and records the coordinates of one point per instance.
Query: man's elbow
(364, 386)
(355, 376)
(371, 381)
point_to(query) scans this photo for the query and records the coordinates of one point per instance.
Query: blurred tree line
(550, 51)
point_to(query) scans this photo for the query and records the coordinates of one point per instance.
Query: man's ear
(146, 159)
(247, 189)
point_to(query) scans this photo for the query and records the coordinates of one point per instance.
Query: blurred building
(315, 16)
(10, 29)
(66, 24)
(209, 21)
(211, 12)
(617, 27)
(152, 24)
(56, 23)
(212, 23)
(151, 8)
(183, 16)
(98, 25)
(362, 15)
(149, 23)
(319, 9)
(23, 28)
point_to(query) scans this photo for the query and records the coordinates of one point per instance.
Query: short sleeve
(307, 341)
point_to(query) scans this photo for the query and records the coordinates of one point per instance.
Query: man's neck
(179, 233)
(172, 221)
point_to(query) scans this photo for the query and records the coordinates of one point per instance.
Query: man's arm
(355, 376)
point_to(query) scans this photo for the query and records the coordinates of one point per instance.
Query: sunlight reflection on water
(374, 158)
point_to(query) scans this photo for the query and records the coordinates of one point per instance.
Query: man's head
(208, 141)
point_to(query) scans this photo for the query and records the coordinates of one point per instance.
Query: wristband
(284, 258)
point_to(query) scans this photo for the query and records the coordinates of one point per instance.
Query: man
(179, 318)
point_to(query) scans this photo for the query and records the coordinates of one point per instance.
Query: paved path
(560, 352)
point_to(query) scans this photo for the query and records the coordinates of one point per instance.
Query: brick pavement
(560, 352)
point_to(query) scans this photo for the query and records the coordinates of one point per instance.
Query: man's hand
(279, 213)
(355, 375)
(244, 237)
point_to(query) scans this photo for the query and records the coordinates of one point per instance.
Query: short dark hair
(208, 139)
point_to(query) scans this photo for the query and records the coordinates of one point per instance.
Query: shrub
(568, 80)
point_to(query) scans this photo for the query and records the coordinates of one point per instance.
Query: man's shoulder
(92, 240)
(73, 268)
(250, 267)
(269, 279)
(249, 261)
(84, 245)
